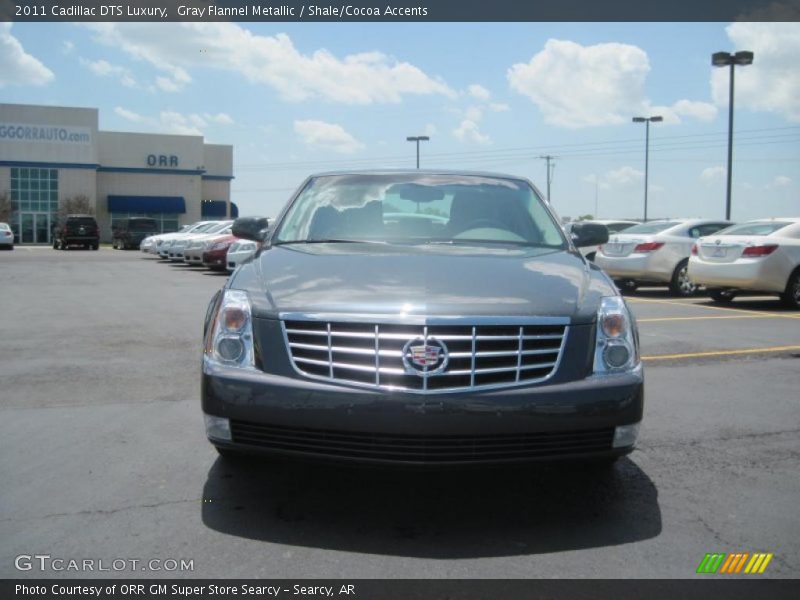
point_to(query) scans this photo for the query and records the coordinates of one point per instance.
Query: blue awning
(234, 211)
(146, 204)
(214, 208)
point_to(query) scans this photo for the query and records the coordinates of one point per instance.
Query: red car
(214, 257)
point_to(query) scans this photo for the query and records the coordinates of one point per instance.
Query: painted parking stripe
(723, 308)
(657, 319)
(721, 353)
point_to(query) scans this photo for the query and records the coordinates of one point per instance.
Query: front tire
(791, 296)
(722, 296)
(681, 285)
(627, 286)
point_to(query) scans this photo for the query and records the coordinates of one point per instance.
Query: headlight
(219, 245)
(616, 349)
(230, 339)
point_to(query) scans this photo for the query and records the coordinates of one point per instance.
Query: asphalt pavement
(103, 454)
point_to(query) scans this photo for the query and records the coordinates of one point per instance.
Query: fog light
(218, 428)
(616, 355)
(626, 435)
(230, 348)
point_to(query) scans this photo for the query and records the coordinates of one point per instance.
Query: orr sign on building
(49, 154)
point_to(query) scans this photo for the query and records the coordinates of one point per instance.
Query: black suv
(76, 230)
(129, 233)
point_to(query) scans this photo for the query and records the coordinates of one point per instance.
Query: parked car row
(761, 256)
(207, 243)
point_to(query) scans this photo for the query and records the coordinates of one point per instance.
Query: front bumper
(214, 260)
(276, 414)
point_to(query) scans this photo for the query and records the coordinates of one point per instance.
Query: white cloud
(578, 86)
(468, 131)
(67, 47)
(169, 121)
(129, 115)
(772, 82)
(473, 113)
(480, 93)
(499, 107)
(624, 176)
(431, 130)
(103, 68)
(781, 181)
(702, 111)
(17, 67)
(327, 136)
(582, 86)
(711, 175)
(219, 118)
(175, 48)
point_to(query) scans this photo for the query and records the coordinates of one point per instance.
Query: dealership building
(51, 154)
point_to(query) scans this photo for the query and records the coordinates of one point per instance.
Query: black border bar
(399, 10)
(708, 588)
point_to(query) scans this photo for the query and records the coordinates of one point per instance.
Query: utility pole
(549, 158)
(418, 139)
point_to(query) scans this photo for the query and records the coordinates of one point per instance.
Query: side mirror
(251, 228)
(589, 234)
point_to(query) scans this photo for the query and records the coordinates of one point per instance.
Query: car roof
(419, 172)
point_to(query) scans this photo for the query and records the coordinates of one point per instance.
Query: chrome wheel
(791, 297)
(681, 285)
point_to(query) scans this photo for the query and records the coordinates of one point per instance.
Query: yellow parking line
(656, 319)
(724, 308)
(721, 353)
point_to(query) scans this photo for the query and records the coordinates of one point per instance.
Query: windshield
(204, 228)
(651, 227)
(758, 228)
(419, 209)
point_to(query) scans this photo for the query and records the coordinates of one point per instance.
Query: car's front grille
(471, 356)
(422, 448)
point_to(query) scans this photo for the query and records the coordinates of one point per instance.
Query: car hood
(431, 281)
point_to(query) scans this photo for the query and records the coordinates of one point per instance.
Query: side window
(694, 232)
(711, 228)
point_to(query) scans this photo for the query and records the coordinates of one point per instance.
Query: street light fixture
(418, 139)
(647, 121)
(726, 59)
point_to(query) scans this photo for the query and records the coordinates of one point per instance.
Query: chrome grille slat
(482, 353)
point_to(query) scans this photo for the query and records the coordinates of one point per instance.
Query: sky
(298, 98)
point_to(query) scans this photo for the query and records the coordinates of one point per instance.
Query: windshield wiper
(328, 241)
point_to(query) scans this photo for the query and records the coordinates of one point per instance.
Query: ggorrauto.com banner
(400, 10)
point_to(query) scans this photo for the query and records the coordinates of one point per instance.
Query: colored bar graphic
(710, 563)
(721, 563)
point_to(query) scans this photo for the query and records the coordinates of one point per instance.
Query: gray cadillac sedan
(420, 317)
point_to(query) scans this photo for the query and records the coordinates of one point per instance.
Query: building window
(34, 190)
(167, 221)
(34, 196)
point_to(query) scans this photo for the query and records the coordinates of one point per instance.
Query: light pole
(724, 59)
(418, 139)
(647, 121)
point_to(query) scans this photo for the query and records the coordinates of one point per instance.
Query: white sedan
(757, 256)
(6, 236)
(655, 253)
(239, 252)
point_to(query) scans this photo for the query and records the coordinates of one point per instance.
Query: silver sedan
(655, 253)
(758, 256)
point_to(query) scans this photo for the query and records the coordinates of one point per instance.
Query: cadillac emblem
(425, 357)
